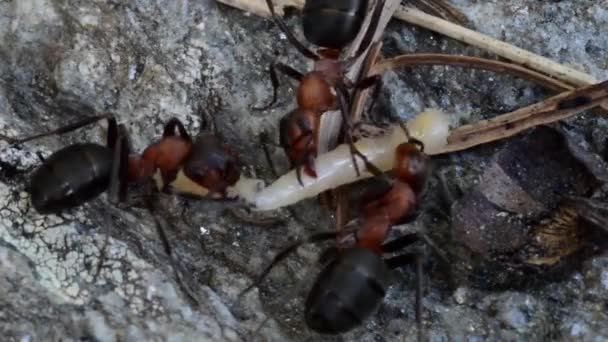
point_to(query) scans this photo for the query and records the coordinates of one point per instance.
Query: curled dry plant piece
(530, 217)
(591, 210)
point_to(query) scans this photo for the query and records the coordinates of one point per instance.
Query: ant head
(211, 164)
(412, 165)
(315, 93)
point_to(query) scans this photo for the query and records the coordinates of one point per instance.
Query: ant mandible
(332, 25)
(80, 172)
(353, 282)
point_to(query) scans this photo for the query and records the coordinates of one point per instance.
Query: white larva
(335, 168)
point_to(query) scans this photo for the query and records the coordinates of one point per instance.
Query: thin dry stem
(553, 109)
(510, 52)
(471, 62)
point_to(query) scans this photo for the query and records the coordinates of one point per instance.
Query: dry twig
(553, 109)
(471, 62)
(500, 48)
(441, 9)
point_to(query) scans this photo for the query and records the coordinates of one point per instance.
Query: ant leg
(290, 37)
(264, 141)
(40, 156)
(306, 161)
(418, 143)
(168, 250)
(308, 134)
(436, 249)
(299, 173)
(406, 259)
(372, 81)
(170, 126)
(445, 195)
(284, 253)
(275, 85)
(272, 70)
(409, 138)
(159, 228)
(419, 286)
(106, 242)
(353, 149)
(61, 130)
(289, 71)
(113, 134)
(400, 243)
(408, 239)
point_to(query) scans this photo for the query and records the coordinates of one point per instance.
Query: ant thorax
(332, 70)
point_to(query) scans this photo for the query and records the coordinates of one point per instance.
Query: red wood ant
(331, 25)
(353, 282)
(82, 171)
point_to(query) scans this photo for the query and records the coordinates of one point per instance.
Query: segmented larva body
(335, 168)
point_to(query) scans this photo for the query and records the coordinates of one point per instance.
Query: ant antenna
(60, 130)
(409, 138)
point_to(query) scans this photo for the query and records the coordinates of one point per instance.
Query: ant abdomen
(347, 292)
(343, 18)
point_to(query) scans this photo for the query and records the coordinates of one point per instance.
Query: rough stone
(150, 61)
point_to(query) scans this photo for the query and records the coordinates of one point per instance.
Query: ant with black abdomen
(332, 26)
(354, 279)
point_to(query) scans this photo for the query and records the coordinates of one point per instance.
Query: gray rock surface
(148, 61)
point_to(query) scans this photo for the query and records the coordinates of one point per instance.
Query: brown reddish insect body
(204, 167)
(80, 172)
(326, 86)
(354, 280)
